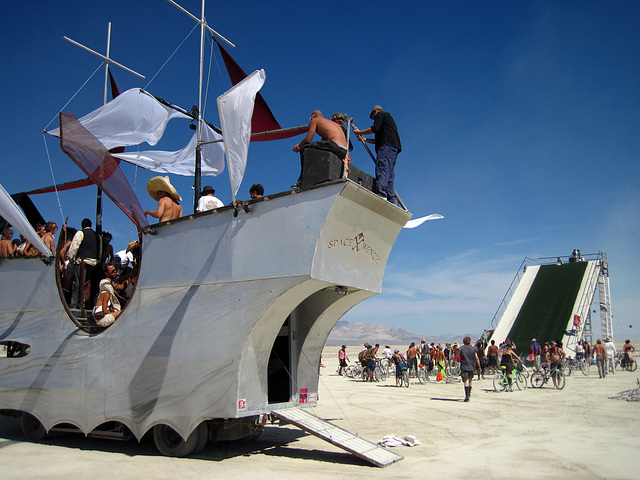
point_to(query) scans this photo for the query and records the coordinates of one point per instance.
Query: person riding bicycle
(555, 357)
(508, 360)
(628, 350)
(400, 364)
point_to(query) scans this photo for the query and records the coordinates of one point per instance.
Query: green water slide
(549, 305)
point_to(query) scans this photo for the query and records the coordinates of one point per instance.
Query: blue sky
(520, 124)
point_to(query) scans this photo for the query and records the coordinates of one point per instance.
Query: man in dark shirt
(83, 255)
(387, 142)
(469, 361)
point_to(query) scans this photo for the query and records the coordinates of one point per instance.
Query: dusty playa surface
(543, 433)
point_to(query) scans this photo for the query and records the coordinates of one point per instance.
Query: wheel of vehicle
(32, 428)
(455, 370)
(382, 373)
(632, 366)
(537, 380)
(560, 380)
(422, 376)
(499, 382)
(405, 377)
(432, 375)
(521, 381)
(203, 437)
(584, 368)
(350, 371)
(171, 444)
(365, 374)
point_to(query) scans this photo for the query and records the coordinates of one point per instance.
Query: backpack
(361, 355)
(536, 349)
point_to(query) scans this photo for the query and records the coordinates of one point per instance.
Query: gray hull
(223, 303)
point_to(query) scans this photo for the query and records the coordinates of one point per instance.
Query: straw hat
(162, 184)
(133, 245)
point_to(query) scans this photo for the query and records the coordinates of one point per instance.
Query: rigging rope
(55, 184)
(170, 57)
(74, 96)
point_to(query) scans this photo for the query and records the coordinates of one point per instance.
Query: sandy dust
(541, 433)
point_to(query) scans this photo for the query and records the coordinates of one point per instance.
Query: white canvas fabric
(182, 162)
(236, 109)
(135, 117)
(14, 215)
(419, 221)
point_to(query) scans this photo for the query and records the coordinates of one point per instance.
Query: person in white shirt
(207, 200)
(611, 355)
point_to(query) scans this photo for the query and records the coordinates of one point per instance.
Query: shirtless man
(328, 130)
(333, 139)
(6, 247)
(160, 189)
(49, 240)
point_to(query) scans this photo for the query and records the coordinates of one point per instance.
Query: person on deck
(208, 201)
(256, 191)
(160, 189)
(7, 248)
(83, 253)
(388, 146)
(333, 139)
(107, 309)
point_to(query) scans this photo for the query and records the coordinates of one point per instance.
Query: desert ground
(543, 433)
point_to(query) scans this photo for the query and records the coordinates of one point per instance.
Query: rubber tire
(584, 368)
(32, 429)
(422, 376)
(521, 381)
(203, 437)
(171, 444)
(632, 366)
(537, 379)
(498, 383)
(560, 380)
(405, 377)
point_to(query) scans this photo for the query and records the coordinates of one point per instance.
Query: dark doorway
(278, 370)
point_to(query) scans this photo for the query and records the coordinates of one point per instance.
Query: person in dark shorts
(508, 361)
(492, 355)
(400, 364)
(469, 361)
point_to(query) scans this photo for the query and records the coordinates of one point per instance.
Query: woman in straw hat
(160, 189)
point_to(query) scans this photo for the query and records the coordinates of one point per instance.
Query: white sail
(135, 117)
(236, 109)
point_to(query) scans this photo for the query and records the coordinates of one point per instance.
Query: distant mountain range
(358, 333)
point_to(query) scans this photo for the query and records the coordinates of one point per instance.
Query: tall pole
(99, 192)
(197, 169)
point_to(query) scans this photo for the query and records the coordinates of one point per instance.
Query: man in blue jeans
(387, 142)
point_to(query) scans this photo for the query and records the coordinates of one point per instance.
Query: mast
(198, 160)
(107, 61)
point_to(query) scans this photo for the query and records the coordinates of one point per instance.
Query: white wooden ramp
(371, 452)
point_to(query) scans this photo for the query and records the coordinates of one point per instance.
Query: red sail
(263, 119)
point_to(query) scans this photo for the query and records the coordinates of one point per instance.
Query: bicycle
(425, 375)
(404, 377)
(629, 366)
(632, 395)
(539, 378)
(582, 365)
(501, 380)
(353, 371)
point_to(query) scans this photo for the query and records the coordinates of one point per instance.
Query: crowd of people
(484, 358)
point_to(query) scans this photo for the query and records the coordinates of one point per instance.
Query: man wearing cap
(342, 359)
(387, 142)
(208, 201)
(160, 189)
